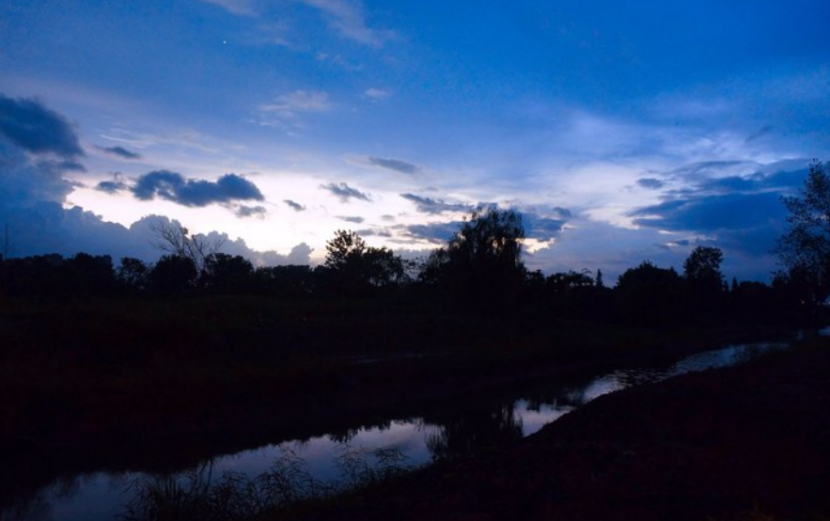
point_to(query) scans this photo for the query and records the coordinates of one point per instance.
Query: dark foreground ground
(750, 442)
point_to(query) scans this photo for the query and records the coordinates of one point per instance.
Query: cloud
(348, 19)
(297, 207)
(741, 214)
(111, 187)
(174, 187)
(25, 180)
(345, 192)
(710, 213)
(650, 183)
(351, 219)
(120, 152)
(33, 193)
(435, 206)
(433, 232)
(286, 108)
(250, 211)
(375, 232)
(393, 164)
(237, 7)
(544, 225)
(377, 94)
(36, 129)
(759, 134)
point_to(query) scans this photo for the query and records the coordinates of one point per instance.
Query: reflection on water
(459, 429)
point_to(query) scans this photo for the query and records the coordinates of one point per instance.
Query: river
(453, 429)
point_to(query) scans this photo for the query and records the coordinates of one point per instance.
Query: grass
(236, 497)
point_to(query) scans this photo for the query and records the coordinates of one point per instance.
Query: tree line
(480, 269)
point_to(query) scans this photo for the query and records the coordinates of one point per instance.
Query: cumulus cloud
(33, 192)
(119, 151)
(435, 206)
(351, 219)
(299, 254)
(344, 192)
(172, 186)
(28, 124)
(297, 207)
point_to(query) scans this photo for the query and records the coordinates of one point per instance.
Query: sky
(621, 131)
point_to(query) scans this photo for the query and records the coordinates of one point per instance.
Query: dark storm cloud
(394, 164)
(743, 214)
(712, 213)
(111, 187)
(351, 219)
(174, 187)
(37, 129)
(297, 207)
(120, 152)
(650, 183)
(344, 192)
(435, 206)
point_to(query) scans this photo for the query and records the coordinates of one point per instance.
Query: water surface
(457, 428)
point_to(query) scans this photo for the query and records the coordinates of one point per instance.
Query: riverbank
(115, 385)
(747, 442)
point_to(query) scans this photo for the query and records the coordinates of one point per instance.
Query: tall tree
(702, 268)
(482, 263)
(804, 249)
(177, 240)
(356, 268)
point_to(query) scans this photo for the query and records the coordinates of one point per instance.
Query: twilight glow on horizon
(622, 131)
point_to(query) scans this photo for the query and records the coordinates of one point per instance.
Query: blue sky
(623, 131)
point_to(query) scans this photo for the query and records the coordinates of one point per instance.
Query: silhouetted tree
(704, 280)
(354, 268)
(482, 263)
(177, 240)
(286, 281)
(225, 273)
(804, 249)
(86, 274)
(173, 274)
(651, 295)
(133, 274)
(702, 268)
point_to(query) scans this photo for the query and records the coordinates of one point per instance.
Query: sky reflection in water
(100, 496)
